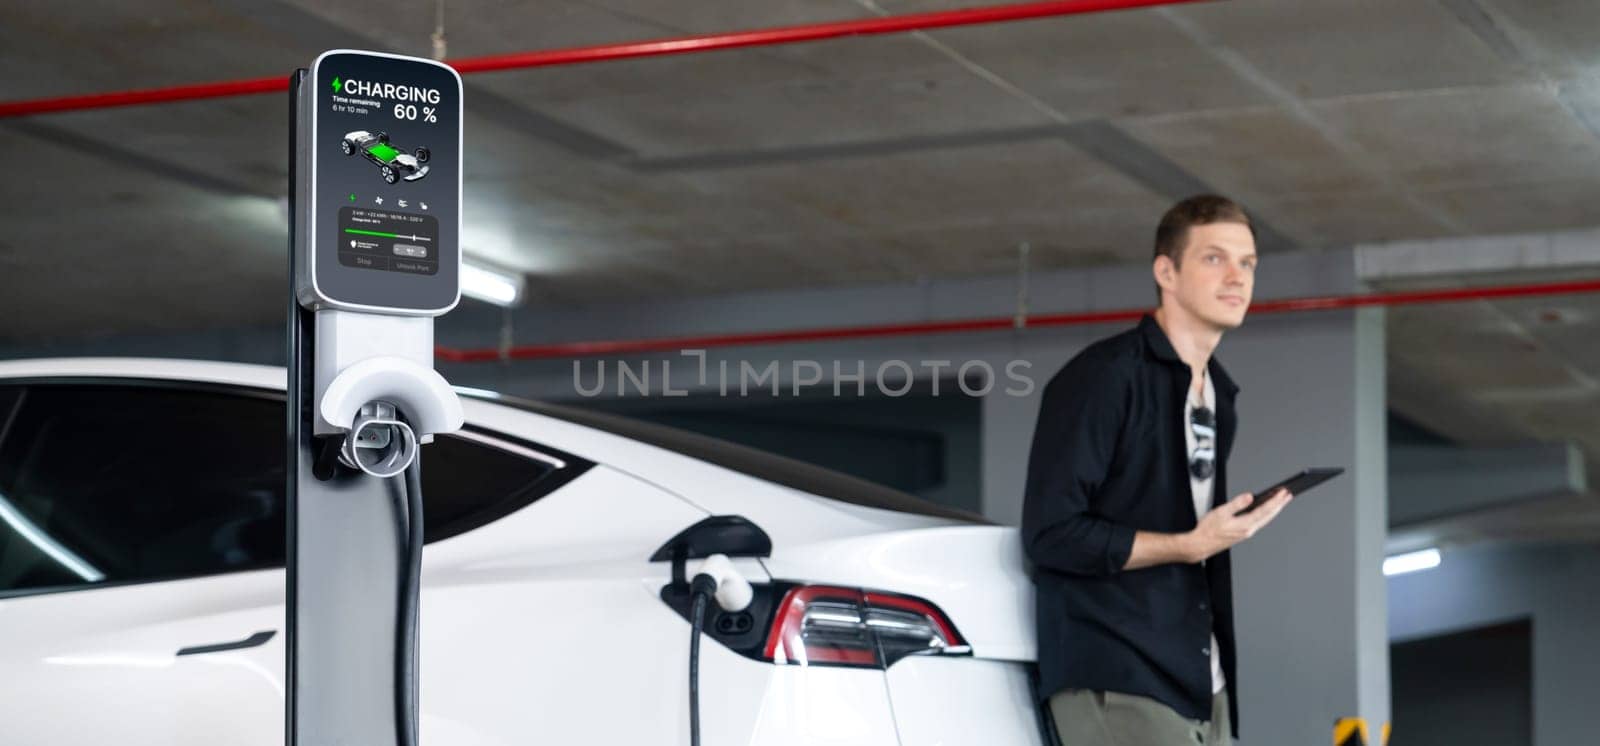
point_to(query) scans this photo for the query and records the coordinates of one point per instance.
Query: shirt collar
(1156, 341)
(1220, 379)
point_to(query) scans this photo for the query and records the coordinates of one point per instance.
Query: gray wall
(1472, 688)
(1553, 585)
(1310, 597)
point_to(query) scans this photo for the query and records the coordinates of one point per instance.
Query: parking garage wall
(1553, 586)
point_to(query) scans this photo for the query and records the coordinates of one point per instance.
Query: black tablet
(1297, 484)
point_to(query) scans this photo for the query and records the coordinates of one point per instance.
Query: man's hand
(1218, 530)
(1224, 526)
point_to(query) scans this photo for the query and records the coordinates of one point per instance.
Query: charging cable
(407, 642)
(381, 444)
(715, 578)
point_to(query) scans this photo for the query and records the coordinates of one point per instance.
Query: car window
(108, 484)
(117, 484)
(469, 483)
(789, 472)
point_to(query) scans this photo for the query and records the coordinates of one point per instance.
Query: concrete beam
(1405, 261)
(1432, 482)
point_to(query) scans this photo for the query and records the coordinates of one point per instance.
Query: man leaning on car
(1120, 519)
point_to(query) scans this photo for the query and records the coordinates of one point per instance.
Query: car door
(142, 536)
(141, 532)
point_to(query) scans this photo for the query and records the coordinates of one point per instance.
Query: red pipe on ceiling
(812, 32)
(606, 52)
(746, 339)
(771, 37)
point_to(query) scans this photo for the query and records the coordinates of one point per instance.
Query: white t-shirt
(1202, 491)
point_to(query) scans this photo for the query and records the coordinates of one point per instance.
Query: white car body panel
(101, 666)
(820, 705)
(544, 629)
(544, 625)
(951, 701)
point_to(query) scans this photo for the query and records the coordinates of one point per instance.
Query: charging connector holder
(379, 443)
(375, 387)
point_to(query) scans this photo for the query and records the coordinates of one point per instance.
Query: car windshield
(751, 461)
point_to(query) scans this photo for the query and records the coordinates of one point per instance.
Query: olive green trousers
(1090, 718)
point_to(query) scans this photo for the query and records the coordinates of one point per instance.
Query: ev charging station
(375, 150)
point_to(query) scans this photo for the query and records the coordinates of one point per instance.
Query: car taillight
(825, 625)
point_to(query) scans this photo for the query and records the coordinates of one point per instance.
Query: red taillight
(826, 625)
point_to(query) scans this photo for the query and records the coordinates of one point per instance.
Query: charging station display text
(386, 170)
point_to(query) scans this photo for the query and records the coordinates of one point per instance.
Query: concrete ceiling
(1338, 122)
(1502, 374)
(855, 160)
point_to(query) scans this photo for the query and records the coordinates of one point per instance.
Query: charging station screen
(393, 241)
(386, 180)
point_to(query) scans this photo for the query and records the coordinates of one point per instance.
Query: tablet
(1297, 484)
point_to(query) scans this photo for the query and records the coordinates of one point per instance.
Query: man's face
(1214, 281)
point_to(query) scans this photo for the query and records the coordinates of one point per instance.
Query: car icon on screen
(393, 163)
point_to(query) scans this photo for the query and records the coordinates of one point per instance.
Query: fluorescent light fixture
(47, 544)
(490, 285)
(1401, 564)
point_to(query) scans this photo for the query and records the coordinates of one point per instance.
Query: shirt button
(1205, 651)
(1202, 606)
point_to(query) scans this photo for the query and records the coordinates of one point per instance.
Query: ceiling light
(1401, 564)
(490, 285)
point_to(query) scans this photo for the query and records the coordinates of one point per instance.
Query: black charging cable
(408, 607)
(701, 589)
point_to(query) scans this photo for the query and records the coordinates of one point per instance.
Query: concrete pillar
(1309, 591)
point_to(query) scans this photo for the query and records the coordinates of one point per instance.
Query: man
(1121, 518)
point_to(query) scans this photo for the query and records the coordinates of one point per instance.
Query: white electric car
(142, 587)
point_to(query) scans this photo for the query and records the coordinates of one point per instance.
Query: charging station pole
(375, 172)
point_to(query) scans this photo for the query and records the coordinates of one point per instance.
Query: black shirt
(1109, 458)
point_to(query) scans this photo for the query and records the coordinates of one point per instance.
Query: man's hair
(1172, 234)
